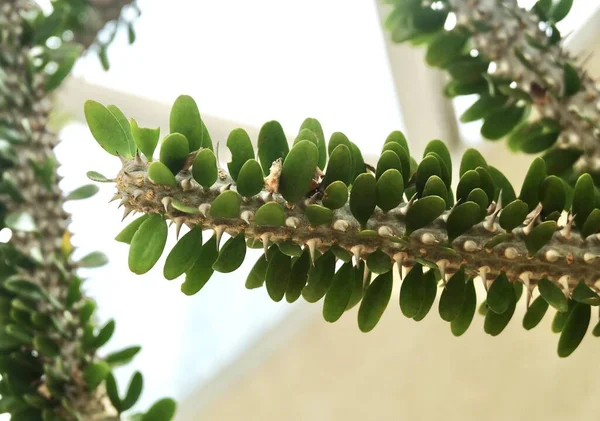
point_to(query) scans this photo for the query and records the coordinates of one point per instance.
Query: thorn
(178, 223)
(564, 282)
(552, 255)
(399, 259)
(115, 197)
(138, 159)
(511, 253)
(225, 188)
(247, 216)
(525, 277)
(483, 271)
(490, 222)
(127, 176)
(313, 199)
(137, 193)
(312, 246)
(385, 231)
(122, 159)
(566, 231)
(126, 212)
(166, 201)
(428, 239)
(341, 225)
(589, 257)
(442, 266)
(265, 238)
(409, 204)
(356, 251)
(219, 230)
(531, 219)
(186, 184)
(470, 246)
(292, 222)
(124, 201)
(203, 209)
(366, 277)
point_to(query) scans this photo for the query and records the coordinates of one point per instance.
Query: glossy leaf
(513, 215)
(462, 321)
(83, 192)
(298, 277)
(540, 236)
(340, 167)
(453, 296)
(336, 195)
(313, 125)
(574, 329)
(389, 190)
(462, 218)
(553, 295)
(318, 215)
(412, 291)
(535, 313)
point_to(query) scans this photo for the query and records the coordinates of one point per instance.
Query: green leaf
(423, 212)
(540, 236)
(313, 125)
(553, 295)
(104, 334)
(405, 159)
(162, 410)
(74, 292)
(199, 274)
(375, 301)
(535, 313)
(336, 195)
(159, 174)
(478, 196)
(483, 107)
(582, 205)
(134, 390)
(560, 9)
(389, 190)
(530, 191)
(278, 275)
(232, 254)
(430, 290)
(256, 276)
(71, 53)
(185, 119)
(241, 149)
(270, 214)
(552, 195)
(106, 129)
(427, 168)
(336, 139)
(298, 277)
(502, 183)
(96, 176)
(126, 127)
(320, 277)
(584, 294)
(495, 323)
(147, 244)
(185, 253)
(145, 139)
(307, 134)
(559, 160)
(468, 69)
(445, 47)
(122, 357)
(462, 218)
(379, 262)
(181, 207)
(363, 198)
(46, 346)
(204, 168)
(290, 248)
(592, 224)
(272, 145)
(357, 161)
(340, 167)
(174, 151)
(412, 291)
(388, 160)
(574, 329)
(453, 296)
(95, 373)
(87, 310)
(93, 260)
(226, 205)
(513, 215)
(298, 171)
(596, 330)
(318, 215)
(441, 150)
(250, 179)
(113, 392)
(501, 122)
(338, 295)
(468, 182)
(126, 235)
(500, 294)
(83, 192)
(20, 221)
(462, 321)
(471, 160)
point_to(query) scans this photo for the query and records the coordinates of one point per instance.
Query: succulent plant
(51, 365)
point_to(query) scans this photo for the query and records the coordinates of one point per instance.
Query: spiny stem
(567, 258)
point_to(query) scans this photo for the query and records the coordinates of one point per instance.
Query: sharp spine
(166, 201)
(312, 247)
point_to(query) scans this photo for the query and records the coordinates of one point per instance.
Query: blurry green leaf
(501, 122)
(162, 410)
(20, 221)
(483, 107)
(122, 357)
(96, 176)
(584, 294)
(95, 373)
(83, 192)
(560, 9)
(134, 390)
(445, 47)
(93, 260)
